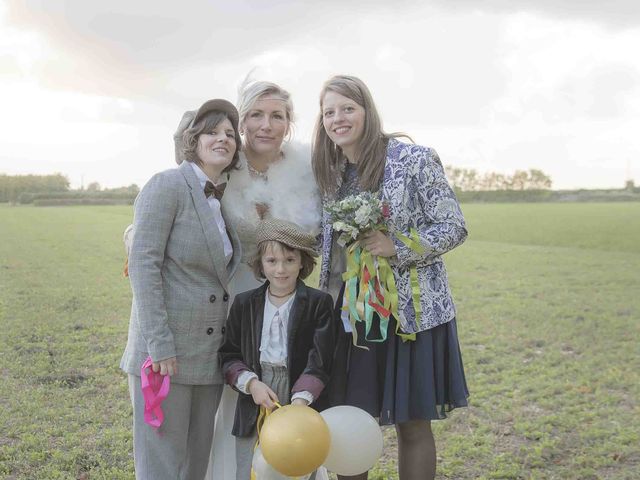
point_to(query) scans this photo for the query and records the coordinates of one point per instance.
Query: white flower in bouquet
(354, 215)
(364, 214)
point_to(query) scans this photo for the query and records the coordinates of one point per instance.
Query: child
(279, 340)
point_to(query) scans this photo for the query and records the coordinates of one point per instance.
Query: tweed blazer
(179, 278)
(419, 197)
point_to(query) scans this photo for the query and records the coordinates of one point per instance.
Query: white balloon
(264, 471)
(356, 440)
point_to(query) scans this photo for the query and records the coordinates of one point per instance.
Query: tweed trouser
(180, 448)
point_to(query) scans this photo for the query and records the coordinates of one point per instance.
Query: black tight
(416, 452)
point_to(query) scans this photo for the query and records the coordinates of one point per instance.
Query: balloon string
(262, 416)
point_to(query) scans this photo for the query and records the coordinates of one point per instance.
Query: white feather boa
(290, 193)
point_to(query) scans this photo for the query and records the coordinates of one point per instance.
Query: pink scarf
(155, 388)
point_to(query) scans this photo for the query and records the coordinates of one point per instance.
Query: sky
(95, 90)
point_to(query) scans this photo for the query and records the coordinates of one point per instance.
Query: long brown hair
(372, 146)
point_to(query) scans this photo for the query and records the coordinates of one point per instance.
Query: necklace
(256, 173)
(280, 296)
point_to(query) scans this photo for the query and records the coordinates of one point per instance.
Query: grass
(548, 318)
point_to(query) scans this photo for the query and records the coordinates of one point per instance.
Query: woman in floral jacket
(406, 383)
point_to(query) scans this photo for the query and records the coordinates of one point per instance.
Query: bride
(275, 180)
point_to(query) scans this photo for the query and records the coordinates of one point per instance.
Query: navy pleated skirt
(399, 381)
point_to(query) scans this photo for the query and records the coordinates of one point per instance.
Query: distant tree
(464, 179)
(453, 175)
(538, 180)
(629, 185)
(12, 186)
(93, 187)
(132, 189)
(469, 180)
(492, 181)
(518, 181)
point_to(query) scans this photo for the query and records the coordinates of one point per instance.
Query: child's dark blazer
(311, 342)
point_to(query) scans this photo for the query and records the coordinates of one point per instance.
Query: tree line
(469, 180)
(54, 190)
(11, 186)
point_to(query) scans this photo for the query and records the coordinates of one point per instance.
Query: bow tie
(215, 190)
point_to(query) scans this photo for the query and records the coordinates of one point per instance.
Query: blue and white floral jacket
(419, 197)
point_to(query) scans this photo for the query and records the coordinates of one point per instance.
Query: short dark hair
(205, 125)
(308, 262)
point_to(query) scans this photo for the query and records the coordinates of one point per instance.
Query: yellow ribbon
(391, 295)
(350, 278)
(413, 242)
(262, 416)
(358, 292)
(358, 304)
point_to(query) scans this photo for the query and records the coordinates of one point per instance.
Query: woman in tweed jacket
(405, 383)
(181, 259)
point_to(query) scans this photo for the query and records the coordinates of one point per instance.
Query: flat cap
(287, 233)
(190, 118)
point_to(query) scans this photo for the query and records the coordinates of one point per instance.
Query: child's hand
(262, 394)
(299, 401)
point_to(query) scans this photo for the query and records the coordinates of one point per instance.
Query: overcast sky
(95, 90)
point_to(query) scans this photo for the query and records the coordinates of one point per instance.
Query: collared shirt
(273, 343)
(214, 204)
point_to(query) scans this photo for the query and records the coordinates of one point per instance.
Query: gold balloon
(295, 440)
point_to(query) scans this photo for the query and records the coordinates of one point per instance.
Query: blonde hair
(372, 146)
(251, 91)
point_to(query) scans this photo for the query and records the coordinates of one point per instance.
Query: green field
(548, 302)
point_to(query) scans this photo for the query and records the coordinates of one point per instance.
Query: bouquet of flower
(369, 282)
(356, 214)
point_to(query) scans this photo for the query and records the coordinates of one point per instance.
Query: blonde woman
(273, 180)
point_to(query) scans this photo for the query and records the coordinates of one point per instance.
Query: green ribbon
(350, 278)
(413, 242)
(385, 273)
(360, 293)
(359, 306)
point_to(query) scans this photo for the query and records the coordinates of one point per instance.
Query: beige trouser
(180, 448)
